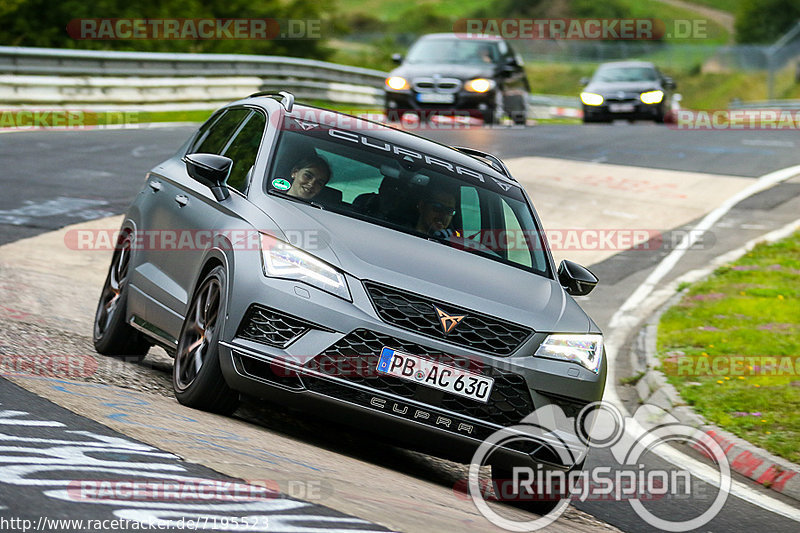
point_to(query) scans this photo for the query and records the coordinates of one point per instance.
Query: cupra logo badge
(449, 322)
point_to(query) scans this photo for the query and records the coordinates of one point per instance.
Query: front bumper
(325, 364)
(464, 102)
(638, 110)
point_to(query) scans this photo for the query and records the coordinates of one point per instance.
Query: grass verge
(732, 347)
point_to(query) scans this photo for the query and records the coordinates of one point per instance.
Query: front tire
(111, 335)
(196, 375)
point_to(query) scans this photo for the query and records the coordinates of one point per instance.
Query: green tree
(764, 21)
(43, 23)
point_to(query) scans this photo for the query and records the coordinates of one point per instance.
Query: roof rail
(286, 98)
(493, 160)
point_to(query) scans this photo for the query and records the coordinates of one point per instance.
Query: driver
(436, 212)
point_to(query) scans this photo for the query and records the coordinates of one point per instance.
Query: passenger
(309, 176)
(436, 213)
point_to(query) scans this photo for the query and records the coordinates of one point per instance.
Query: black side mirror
(584, 81)
(397, 58)
(212, 171)
(669, 83)
(576, 279)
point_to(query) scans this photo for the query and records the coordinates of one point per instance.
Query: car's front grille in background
(271, 327)
(355, 359)
(416, 313)
(439, 85)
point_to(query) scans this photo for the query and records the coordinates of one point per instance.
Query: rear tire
(196, 375)
(111, 335)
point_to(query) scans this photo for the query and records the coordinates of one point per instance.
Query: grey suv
(406, 288)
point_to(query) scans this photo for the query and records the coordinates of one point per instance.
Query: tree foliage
(765, 21)
(43, 23)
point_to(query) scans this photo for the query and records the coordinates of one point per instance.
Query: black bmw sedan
(626, 90)
(450, 73)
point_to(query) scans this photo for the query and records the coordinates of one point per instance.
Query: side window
(515, 243)
(217, 136)
(243, 150)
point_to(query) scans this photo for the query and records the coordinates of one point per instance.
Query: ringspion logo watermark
(582, 29)
(567, 440)
(211, 29)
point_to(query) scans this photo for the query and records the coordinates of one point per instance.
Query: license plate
(620, 108)
(435, 375)
(436, 98)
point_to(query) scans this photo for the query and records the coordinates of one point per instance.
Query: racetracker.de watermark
(732, 365)
(735, 119)
(72, 119)
(210, 29)
(601, 29)
(573, 240)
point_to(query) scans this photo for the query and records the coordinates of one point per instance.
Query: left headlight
(586, 350)
(282, 260)
(479, 85)
(652, 97)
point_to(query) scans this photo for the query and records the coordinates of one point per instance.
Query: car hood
(371, 252)
(605, 88)
(445, 70)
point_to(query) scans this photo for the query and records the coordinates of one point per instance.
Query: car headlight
(591, 99)
(397, 83)
(479, 85)
(282, 260)
(586, 350)
(652, 97)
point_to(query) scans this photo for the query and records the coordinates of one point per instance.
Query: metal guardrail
(50, 61)
(791, 105)
(35, 76)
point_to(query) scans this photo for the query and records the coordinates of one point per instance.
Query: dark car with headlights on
(447, 73)
(403, 286)
(626, 90)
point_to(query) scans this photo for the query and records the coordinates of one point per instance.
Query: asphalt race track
(596, 177)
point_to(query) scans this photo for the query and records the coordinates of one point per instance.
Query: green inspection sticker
(282, 184)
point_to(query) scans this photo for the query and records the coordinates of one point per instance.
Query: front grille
(355, 358)
(622, 97)
(416, 313)
(271, 327)
(439, 85)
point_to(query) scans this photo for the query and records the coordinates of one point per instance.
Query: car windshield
(452, 51)
(360, 176)
(626, 74)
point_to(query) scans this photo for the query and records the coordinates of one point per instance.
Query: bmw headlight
(591, 99)
(282, 260)
(479, 85)
(586, 350)
(397, 83)
(652, 97)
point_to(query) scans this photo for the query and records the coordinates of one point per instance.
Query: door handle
(182, 200)
(155, 185)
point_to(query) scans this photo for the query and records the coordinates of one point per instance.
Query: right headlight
(282, 260)
(584, 349)
(591, 98)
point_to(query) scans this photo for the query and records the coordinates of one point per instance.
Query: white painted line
(668, 263)
(626, 318)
